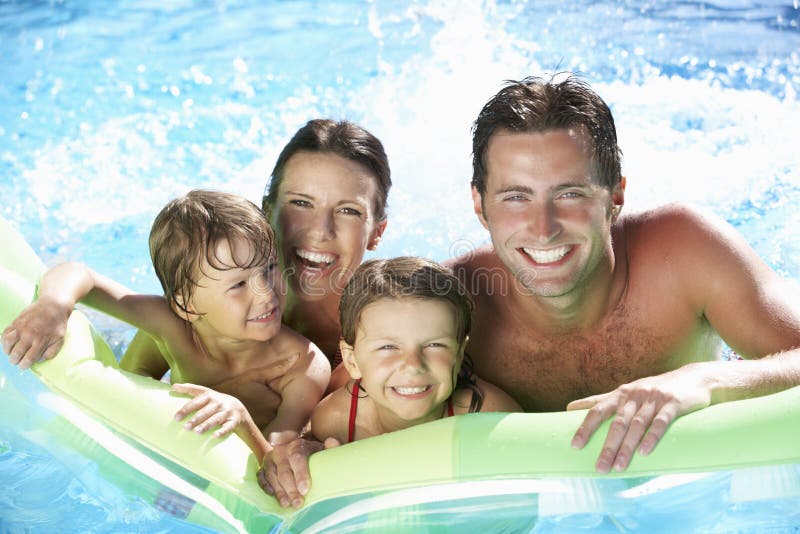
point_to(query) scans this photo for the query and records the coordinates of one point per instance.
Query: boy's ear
(182, 310)
(349, 359)
(377, 233)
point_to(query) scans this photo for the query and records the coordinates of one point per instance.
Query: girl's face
(408, 356)
(325, 221)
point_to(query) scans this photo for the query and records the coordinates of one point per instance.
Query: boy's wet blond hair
(187, 231)
(401, 278)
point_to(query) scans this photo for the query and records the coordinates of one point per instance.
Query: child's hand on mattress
(211, 409)
(38, 332)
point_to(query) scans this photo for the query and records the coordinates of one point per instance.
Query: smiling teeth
(410, 391)
(316, 257)
(263, 316)
(547, 256)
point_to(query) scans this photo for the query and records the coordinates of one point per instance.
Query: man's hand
(38, 332)
(284, 473)
(251, 388)
(644, 409)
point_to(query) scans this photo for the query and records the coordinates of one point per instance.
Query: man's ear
(618, 198)
(377, 233)
(182, 310)
(477, 204)
(349, 359)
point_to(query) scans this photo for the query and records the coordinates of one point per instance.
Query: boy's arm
(213, 408)
(39, 329)
(300, 389)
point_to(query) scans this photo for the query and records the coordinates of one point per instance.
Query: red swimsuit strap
(351, 424)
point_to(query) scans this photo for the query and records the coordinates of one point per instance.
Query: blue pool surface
(112, 108)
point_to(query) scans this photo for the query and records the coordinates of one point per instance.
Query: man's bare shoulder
(475, 259)
(676, 224)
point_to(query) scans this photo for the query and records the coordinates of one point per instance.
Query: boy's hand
(251, 388)
(38, 332)
(213, 409)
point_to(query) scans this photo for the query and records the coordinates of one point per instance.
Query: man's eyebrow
(515, 189)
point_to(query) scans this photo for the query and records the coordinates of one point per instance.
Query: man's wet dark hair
(538, 105)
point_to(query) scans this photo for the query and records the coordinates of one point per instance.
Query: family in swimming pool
(620, 314)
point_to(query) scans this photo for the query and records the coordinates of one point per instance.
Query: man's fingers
(594, 418)
(658, 427)
(616, 434)
(636, 429)
(586, 403)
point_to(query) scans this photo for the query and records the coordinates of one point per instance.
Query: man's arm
(753, 310)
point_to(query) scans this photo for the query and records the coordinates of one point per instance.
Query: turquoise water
(110, 109)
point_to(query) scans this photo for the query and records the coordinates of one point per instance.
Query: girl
(405, 323)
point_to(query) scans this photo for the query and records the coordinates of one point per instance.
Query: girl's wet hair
(186, 232)
(397, 278)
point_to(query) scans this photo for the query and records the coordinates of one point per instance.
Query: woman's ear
(349, 359)
(377, 233)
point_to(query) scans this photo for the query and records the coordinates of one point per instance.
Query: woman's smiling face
(324, 217)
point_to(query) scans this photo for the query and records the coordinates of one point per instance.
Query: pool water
(111, 109)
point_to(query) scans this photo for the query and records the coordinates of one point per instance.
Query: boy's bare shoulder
(288, 342)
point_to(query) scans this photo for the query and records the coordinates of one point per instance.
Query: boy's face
(407, 356)
(324, 217)
(238, 304)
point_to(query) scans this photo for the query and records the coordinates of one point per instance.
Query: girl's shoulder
(482, 396)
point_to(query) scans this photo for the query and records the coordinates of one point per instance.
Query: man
(579, 307)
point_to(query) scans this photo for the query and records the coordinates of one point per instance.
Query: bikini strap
(351, 424)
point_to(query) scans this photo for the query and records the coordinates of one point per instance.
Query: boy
(220, 316)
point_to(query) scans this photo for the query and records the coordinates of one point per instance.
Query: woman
(327, 204)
